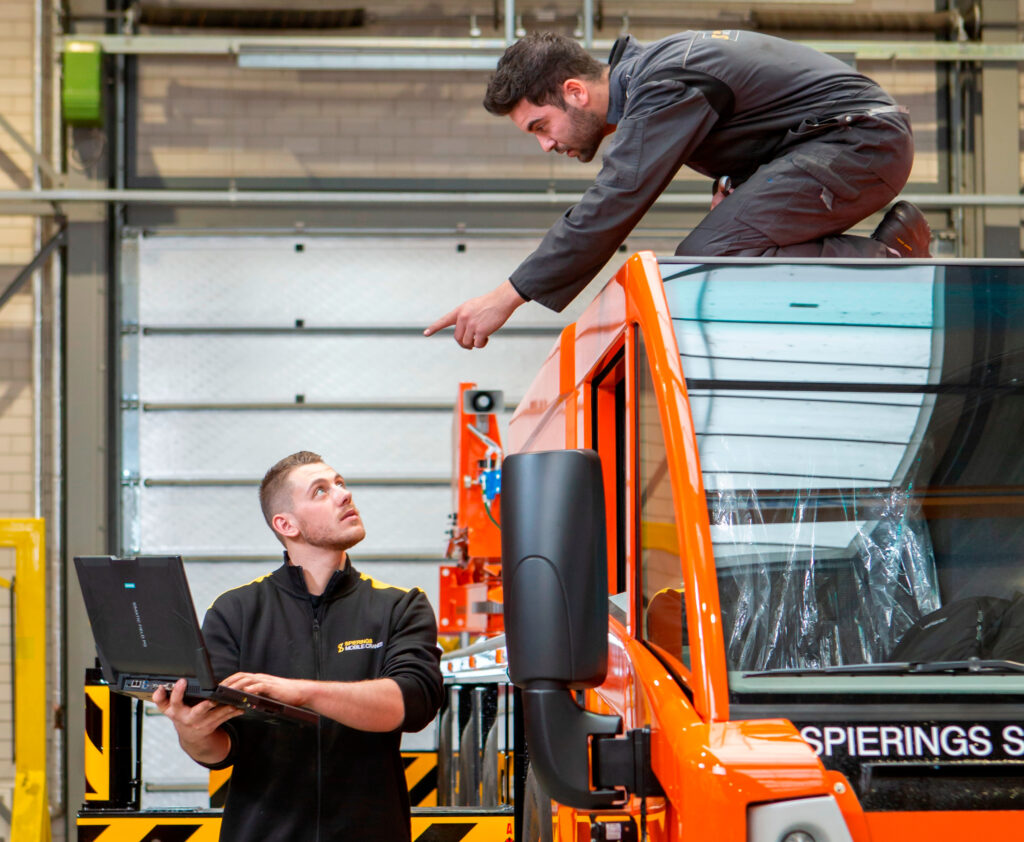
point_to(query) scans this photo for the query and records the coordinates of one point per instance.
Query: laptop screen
(142, 616)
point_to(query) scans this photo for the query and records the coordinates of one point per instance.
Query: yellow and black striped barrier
(205, 827)
(217, 786)
(421, 777)
(462, 828)
(97, 743)
(192, 827)
(108, 746)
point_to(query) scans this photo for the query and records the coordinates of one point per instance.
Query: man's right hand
(198, 726)
(478, 318)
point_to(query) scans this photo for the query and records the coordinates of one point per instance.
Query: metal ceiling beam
(281, 58)
(476, 53)
(234, 44)
(244, 198)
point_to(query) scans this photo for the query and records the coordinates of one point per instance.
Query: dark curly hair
(534, 69)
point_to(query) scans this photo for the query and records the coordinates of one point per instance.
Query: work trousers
(827, 177)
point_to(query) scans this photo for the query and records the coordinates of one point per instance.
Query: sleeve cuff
(227, 761)
(415, 718)
(522, 294)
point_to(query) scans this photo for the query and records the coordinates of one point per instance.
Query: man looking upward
(315, 633)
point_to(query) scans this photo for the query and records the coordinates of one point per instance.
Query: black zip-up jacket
(722, 103)
(329, 782)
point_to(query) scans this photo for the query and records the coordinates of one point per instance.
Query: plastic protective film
(805, 605)
(810, 402)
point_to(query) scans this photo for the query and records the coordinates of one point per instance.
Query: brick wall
(204, 117)
(16, 395)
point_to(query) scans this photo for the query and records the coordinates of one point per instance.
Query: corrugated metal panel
(295, 323)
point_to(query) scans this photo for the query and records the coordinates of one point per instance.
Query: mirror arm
(626, 762)
(557, 733)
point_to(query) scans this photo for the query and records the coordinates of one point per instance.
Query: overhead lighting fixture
(313, 58)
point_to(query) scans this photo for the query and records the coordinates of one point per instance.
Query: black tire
(537, 823)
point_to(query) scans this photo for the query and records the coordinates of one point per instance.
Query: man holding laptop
(317, 634)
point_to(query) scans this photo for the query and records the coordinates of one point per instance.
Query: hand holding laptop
(291, 691)
(147, 634)
(197, 725)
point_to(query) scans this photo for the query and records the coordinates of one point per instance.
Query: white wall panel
(218, 368)
(203, 521)
(265, 281)
(244, 444)
(164, 763)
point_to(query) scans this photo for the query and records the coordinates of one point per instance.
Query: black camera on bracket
(482, 401)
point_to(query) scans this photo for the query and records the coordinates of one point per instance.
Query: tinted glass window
(662, 608)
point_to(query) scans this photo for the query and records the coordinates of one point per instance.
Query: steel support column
(1000, 152)
(87, 437)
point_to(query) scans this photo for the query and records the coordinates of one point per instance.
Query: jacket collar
(623, 57)
(289, 578)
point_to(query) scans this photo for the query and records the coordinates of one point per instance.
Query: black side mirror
(555, 581)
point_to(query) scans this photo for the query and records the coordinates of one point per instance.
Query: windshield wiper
(845, 669)
(970, 665)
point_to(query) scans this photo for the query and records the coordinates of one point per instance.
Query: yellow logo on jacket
(364, 643)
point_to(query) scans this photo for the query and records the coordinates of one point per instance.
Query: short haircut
(275, 495)
(534, 69)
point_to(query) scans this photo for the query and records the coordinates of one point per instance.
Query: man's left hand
(478, 318)
(291, 691)
(723, 188)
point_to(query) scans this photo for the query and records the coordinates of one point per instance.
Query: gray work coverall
(811, 145)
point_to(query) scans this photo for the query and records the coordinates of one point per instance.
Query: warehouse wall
(204, 117)
(17, 247)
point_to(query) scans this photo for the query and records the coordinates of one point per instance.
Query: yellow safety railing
(30, 816)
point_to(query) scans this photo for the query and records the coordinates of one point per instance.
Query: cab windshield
(861, 437)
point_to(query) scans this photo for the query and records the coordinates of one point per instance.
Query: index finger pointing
(445, 321)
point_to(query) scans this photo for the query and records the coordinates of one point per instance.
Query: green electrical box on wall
(82, 84)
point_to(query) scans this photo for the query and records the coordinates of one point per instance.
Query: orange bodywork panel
(721, 766)
(712, 769)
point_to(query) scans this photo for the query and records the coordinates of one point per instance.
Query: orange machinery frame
(469, 595)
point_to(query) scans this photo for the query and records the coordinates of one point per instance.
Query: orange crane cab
(761, 541)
